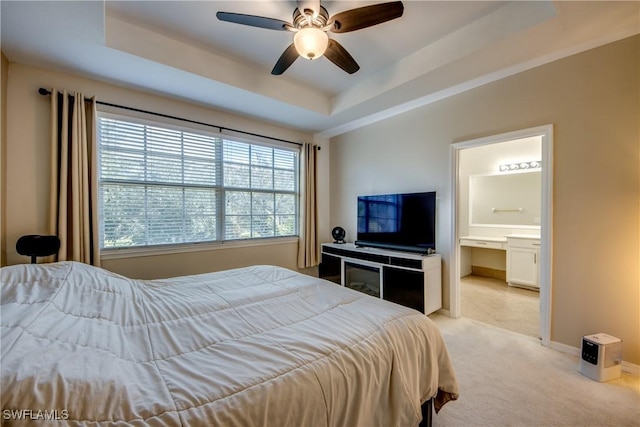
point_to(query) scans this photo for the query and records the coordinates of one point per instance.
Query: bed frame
(427, 414)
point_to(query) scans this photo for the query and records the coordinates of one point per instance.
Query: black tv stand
(407, 278)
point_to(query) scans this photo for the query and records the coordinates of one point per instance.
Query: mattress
(256, 346)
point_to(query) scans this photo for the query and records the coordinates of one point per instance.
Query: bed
(255, 346)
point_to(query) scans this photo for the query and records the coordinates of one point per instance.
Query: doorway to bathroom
(501, 233)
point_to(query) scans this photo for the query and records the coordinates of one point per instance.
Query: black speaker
(338, 234)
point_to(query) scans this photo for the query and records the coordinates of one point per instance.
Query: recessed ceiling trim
(472, 84)
(69, 37)
(499, 24)
(144, 43)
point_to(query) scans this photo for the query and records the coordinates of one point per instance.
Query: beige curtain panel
(308, 246)
(74, 202)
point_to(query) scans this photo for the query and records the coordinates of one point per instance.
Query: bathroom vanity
(502, 227)
(520, 251)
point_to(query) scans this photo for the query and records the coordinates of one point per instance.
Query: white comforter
(259, 346)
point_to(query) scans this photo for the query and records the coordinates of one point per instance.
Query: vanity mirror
(506, 199)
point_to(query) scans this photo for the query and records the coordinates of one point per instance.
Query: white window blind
(160, 185)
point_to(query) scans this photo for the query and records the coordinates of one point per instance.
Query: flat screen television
(405, 222)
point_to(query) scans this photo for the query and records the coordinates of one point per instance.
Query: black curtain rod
(43, 91)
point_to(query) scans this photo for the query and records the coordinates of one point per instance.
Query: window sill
(107, 254)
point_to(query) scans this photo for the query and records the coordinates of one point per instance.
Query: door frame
(546, 220)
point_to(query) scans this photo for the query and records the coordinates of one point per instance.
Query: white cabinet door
(522, 267)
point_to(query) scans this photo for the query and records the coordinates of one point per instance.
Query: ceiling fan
(311, 22)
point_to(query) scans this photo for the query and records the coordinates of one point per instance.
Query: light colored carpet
(509, 379)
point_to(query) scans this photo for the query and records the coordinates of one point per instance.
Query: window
(161, 185)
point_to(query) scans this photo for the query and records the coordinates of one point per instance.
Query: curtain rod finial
(43, 91)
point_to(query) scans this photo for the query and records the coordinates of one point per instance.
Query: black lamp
(35, 245)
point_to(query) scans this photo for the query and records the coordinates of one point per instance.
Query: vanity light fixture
(508, 167)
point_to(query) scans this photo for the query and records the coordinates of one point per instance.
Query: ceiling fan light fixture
(311, 22)
(311, 42)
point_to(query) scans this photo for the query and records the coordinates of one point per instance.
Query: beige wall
(593, 101)
(4, 73)
(28, 169)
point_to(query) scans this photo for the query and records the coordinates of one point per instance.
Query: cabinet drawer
(523, 243)
(481, 244)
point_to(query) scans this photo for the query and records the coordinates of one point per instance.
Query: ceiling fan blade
(304, 6)
(287, 58)
(367, 16)
(339, 56)
(254, 21)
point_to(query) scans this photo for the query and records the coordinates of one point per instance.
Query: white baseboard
(630, 368)
(444, 311)
(627, 367)
(563, 348)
